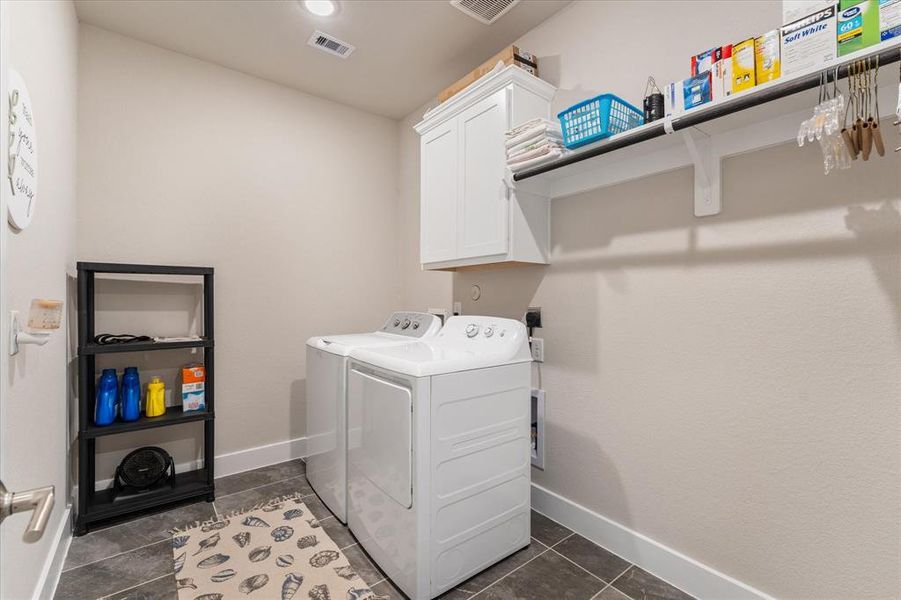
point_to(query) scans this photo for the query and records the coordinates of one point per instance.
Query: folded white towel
(549, 130)
(536, 139)
(551, 156)
(540, 151)
(530, 124)
(530, 147)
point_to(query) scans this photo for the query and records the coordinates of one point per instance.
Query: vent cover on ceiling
(330, 44)
(484, 11)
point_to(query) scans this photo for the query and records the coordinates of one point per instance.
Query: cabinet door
(482, 218)
(438, 198)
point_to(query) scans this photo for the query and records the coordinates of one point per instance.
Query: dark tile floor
(133, 560)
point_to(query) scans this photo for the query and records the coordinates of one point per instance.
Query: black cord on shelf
(105, 339)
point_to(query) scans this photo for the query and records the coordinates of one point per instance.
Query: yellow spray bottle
(156, 398)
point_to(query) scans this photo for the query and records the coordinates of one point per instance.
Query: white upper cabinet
(482, 222)
(469, 216)
(439, 185)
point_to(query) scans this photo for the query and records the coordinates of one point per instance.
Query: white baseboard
(261, 456)
(682, 571)
(53, 564)
(241, 460)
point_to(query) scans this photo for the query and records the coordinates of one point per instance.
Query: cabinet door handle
(38, 500)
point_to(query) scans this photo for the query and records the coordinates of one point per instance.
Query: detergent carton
(193, 381)
(858, 25)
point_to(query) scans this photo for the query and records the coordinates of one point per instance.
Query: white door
(483, 208)
(438, 219)
(19, 534)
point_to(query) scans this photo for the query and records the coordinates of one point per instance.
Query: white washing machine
(438, 479)
(327, 358)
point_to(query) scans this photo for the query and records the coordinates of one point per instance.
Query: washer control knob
(415, 324)
(396, 322)
(489, 331)
(405, 324)
(472, 330)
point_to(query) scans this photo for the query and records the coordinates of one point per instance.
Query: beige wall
(291, 198)
(727, 386)
(43, 48)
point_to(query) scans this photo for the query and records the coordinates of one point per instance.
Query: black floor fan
(143, 470)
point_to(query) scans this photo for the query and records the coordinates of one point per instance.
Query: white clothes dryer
(439, 473)
(326, 404)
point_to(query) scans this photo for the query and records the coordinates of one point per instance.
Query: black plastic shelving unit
(96, 506)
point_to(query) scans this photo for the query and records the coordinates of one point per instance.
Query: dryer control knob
(489, 331)
(405, 324)
(472, 330)
(396, 322)
(415, 324)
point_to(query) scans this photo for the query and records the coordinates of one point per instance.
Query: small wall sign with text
(22, 165)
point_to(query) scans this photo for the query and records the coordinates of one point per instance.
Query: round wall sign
(22, 168)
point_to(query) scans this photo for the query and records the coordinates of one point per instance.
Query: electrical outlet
(533, 317)
(537, 346)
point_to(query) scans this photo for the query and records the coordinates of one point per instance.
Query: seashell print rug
(274, 551)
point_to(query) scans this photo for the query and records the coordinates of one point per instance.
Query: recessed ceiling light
(320, 8)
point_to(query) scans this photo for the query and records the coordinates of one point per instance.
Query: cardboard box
(809, 43)
(795, 10)
(743, 69)
(673, 99)
(767, 66)
(193, 383)
(511, 55)
(722, 74)
(705, 61)
(697, 90)
(889, 19)
(858, 25)
(686, 94)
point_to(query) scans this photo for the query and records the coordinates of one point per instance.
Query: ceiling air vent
(330, 44)
(484, 11)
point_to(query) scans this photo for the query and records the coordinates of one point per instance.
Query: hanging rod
(703, 115)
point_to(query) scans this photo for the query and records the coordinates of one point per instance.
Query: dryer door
(385, 447)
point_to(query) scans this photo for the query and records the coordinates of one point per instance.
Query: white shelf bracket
(707, 163)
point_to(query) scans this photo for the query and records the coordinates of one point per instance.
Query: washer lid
(400, 328)
(465, 343)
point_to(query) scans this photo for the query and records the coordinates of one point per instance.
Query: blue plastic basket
(596, 119)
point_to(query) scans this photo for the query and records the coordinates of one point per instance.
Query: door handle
(39, 500)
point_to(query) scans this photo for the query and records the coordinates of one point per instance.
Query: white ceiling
(406, 52)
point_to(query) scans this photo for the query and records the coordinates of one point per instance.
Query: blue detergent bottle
(107, 396)
(130, 403)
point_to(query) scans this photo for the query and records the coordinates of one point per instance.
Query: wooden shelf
(174, 416)
(105, 505)
(92, 348)
(765, 116)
